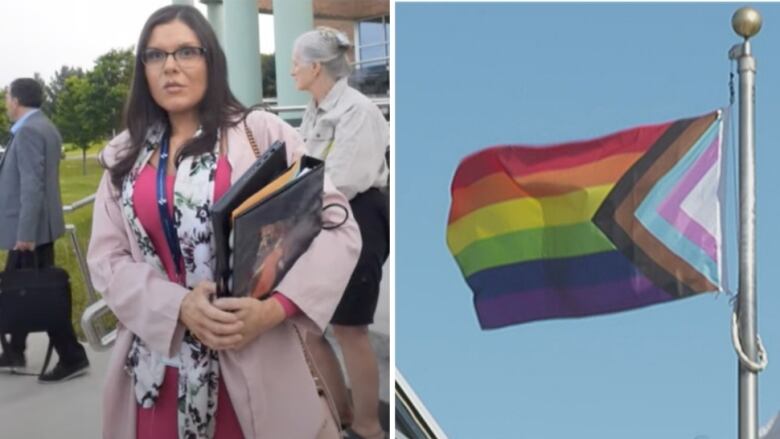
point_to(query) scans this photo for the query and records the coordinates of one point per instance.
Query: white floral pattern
(199, 366)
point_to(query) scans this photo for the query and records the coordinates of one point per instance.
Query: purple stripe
(671, 208)
(546, 303)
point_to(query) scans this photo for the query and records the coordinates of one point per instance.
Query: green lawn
(72, 151)
(75, 186)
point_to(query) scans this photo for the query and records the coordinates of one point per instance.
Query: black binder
(256, 247)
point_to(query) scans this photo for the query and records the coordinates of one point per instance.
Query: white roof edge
(418, 405)
(773, 427)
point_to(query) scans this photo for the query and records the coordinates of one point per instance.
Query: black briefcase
(33, 299)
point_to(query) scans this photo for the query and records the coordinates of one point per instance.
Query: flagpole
(746, 22)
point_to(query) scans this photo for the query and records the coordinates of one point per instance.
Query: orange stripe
(498, 187)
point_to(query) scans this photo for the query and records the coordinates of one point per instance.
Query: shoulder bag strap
(319, 382)
(251, 138)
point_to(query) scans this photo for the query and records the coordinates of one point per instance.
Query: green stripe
(526, 245)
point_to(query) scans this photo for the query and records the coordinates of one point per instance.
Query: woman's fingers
(220, 342)
(238, 306)
(206, 288)
(227, 323)
(220, 329)
(214, 327)
(201, 294)
(214, 313)
(230, 303)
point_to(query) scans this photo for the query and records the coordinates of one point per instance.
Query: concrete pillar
(291, 18)
(241, 41)
(216, 18)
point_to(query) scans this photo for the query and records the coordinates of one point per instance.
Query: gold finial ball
(746, 22)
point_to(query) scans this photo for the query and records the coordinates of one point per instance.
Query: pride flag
(627, 220)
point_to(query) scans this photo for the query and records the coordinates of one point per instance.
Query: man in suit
(31, 217)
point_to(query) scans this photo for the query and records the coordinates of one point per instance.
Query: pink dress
(160, 421)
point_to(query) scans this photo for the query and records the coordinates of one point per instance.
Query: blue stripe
(564, 273)
(677, 242)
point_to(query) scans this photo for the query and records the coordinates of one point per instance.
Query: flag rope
(763, 358)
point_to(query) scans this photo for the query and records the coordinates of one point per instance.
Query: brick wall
(339, 14)
(339, 9)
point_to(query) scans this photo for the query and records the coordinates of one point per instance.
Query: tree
(5, 122)
(87, 107)
(109, 86)
(57, 84)
(73, 116)
(268, 67)
(46, 104)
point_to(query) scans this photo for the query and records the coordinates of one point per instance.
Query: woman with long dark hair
(185, 365)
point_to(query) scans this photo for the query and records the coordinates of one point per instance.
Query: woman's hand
(214, 327)
(258, 316)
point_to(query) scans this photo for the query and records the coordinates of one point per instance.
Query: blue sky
(473, 75)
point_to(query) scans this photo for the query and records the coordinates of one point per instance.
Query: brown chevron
(616, 217)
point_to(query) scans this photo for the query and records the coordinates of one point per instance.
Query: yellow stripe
(525, 213)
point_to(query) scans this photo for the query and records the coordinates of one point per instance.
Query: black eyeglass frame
(201, 51)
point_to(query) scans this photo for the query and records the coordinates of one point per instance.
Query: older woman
(184, 365)
(344, 128)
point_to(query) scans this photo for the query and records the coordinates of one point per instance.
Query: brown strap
(222, 142)
(251, 138)
(319, 382)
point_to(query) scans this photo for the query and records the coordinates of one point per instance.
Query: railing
(91, 319)
(68, 208)
(384, 59)
(98, 338)
(382, 103)
(71, 230)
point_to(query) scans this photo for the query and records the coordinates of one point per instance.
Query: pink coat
(268, 380)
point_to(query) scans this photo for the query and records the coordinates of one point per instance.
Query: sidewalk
(66, 410)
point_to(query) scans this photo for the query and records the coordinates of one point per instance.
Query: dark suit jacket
(30, 202)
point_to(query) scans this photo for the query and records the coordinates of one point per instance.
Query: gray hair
(326, 46)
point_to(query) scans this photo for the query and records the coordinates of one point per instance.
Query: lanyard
(162, 206)
(327, 150)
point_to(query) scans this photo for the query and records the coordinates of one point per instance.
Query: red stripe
(498, 187)
(520, 160)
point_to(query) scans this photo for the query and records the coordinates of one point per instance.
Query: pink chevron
(671, 210)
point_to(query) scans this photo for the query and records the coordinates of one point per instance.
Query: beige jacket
(350, 130)
(268, 380)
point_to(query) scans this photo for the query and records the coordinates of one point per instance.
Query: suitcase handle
(22, 260)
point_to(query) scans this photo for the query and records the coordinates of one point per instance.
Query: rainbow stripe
(623, 221)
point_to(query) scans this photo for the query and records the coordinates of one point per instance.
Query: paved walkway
(71, 409)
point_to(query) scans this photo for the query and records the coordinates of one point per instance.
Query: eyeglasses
(184, 56)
